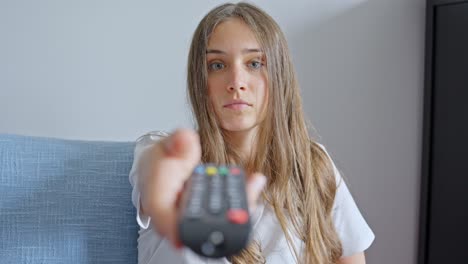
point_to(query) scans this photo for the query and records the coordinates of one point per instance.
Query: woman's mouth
(237, 105)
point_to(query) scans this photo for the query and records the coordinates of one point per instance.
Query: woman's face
(237, 76)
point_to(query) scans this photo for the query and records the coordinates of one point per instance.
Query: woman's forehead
(232, 34)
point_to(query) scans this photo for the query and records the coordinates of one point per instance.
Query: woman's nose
(237, 79)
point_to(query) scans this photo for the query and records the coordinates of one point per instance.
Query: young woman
(246, 100)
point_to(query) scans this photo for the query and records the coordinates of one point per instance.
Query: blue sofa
(66, 201)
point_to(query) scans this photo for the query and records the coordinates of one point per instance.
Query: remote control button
(215, 180)
(193, 213)
(215, 206)
(198, 178)
(238, 216)
(217, 238)
(198, 186)
(210, 171)
(215, 211)
(216, 197)
(207, 248)
(235, 171)
(199, 169)
(223, 171)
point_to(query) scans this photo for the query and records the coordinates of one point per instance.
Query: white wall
(112, 70)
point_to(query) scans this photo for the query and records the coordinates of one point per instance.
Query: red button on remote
(235, 171)
(237, 216)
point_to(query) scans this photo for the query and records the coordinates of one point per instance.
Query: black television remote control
(214, 220)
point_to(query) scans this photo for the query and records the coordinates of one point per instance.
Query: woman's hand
(165, 168)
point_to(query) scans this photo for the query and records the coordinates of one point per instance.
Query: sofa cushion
(66, 201)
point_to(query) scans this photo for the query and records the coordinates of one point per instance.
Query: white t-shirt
(352, 229)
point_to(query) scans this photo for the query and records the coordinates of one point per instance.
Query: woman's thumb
(183, 144)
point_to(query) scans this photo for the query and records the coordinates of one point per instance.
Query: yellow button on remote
(211, 171)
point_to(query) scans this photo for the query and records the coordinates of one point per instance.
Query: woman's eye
(256, 64)
(216, 66)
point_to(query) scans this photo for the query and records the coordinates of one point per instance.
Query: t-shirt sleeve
(142, 146)
(353, 230)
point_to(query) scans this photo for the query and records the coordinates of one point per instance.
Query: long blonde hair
(301, 182)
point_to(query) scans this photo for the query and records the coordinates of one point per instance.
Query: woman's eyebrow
(216, 51)
(251, 50)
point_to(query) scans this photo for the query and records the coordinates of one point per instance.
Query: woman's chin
(237, 127)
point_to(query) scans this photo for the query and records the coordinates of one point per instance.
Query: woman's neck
(243, 142)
